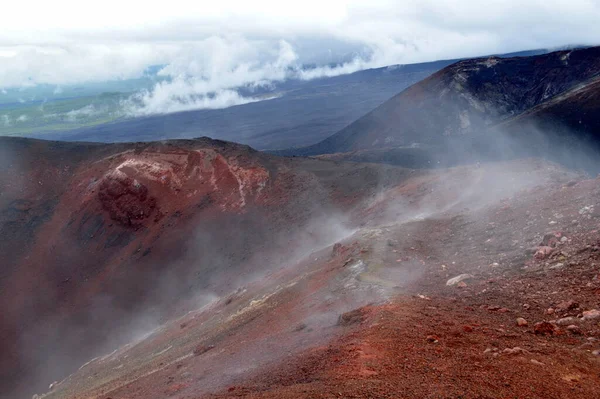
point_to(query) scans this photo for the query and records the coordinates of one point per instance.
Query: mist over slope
(470, 106)
(191, 268)
(101, 242)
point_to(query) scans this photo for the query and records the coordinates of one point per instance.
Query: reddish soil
(370, 316)
(373, 317)
(93, 234)
(464, 341)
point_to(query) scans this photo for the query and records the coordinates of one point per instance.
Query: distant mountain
(460, 104)
(303, 112)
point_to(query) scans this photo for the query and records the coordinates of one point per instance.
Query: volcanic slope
(101, 242)
(459, 106)
(462, 282)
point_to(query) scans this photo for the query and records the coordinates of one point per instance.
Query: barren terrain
(374, 316)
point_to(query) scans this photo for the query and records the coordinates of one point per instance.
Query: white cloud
(87, 111)
(149, 103)
(22, 118)
(6, 120)
(198, 83)
(210, 47)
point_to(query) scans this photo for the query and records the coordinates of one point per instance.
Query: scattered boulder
(565, 306)
(536, 362)
(353, 317)
(545, 328)
(514, 351)
(591, 314)
(565, 321)
(551, 239)
(543, 252)
(458, 279)
(200, 349)
(575, 330)
(521, 322)
(432, 339)
(558, 265)
(338, 249)
(586, 210)
(531, 250)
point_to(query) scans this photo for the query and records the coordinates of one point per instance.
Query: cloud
(199, 83)
(208, 48)
(166, 99)
(6, 120)
(87, 111)
(22, 118)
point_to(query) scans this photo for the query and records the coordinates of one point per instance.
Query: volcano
(92, 231)
(474, 107)
(205, 269)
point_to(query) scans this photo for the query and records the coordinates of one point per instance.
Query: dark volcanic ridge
(486, 108)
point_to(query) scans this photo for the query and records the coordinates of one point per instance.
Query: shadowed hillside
(472, 105)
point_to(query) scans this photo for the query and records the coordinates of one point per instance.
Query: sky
(208, 48)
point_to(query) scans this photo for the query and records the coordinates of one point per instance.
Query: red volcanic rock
(521, 322)
(83, 221)
(543, 252)
(551, 239)
(566, 306)
(200, 349)
(339, 250)
(352, 317)
(126, 200)
(591, 314)
(545, 328)
(575, 330)
(432, 339)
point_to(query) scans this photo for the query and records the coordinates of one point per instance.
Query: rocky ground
(491, 291)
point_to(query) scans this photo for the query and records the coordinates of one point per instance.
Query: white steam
(208, 49)
(84, 112)
(200, 83)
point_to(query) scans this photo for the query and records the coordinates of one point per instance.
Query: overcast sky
(214, 46)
